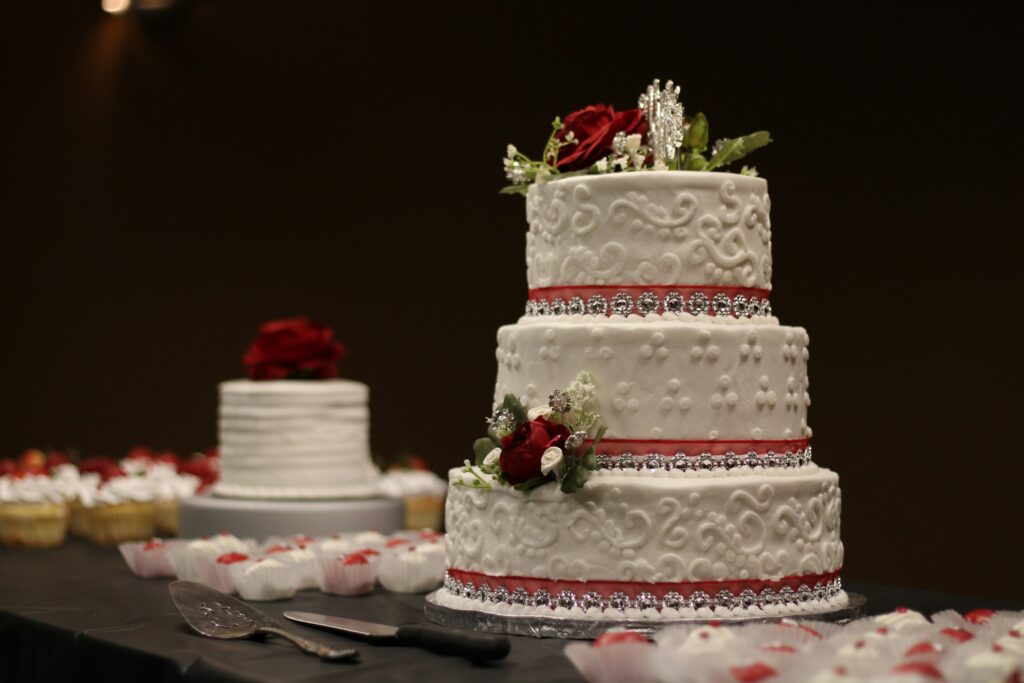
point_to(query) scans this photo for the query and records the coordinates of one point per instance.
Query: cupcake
(79, 487)
(123, 511)
(217, 574)
(263, 579)
(148, 559)
(33, 512)
(409, 571)
(422, 492)
(169, 487)
(614, 656)
(352, 574)
(190, 559)
(302, 561)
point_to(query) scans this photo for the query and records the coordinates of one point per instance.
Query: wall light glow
(116, 6)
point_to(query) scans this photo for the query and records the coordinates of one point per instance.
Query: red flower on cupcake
(594, 128)
(294, 348)
(523, 449)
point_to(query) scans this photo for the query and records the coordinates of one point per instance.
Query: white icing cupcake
(351, 574)
(409, 571)
(149, 559)
(263, 579)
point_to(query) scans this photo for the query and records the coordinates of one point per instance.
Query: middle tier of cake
(668, 378)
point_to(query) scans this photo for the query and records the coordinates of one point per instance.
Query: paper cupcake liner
(407, 575)
(217, 576)
(33, 525)
(333, 576)
(113, 524)
(266, 583)
(187, 563)
(148, 564)
(613, 663)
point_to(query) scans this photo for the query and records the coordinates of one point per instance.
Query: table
(77, 614)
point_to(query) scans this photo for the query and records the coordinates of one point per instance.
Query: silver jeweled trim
(619, 601)
(623, 303)
(705, 461)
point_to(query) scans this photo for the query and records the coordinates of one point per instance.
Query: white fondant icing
(686, 393)
(659, 529)
(295, 439)
(649, 228)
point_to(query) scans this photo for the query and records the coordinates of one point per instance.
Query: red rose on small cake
(293, 429)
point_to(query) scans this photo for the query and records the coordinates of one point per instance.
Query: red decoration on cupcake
(616, 637)
(106, 467)
(958, 634)
(923, 669)
(979, 616)
(231, 558)
(354, 558)
(756, 672)
(294, 348)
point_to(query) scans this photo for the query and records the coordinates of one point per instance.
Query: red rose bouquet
(531, 448)
(294, 348)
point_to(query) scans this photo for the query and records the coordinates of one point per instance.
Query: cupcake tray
(586, 629)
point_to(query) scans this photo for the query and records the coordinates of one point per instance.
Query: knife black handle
(474, 646)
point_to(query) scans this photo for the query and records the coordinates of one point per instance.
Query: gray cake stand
(586, 629)
(207, 515)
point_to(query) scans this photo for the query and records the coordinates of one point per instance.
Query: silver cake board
(587, 629)
(207, 515)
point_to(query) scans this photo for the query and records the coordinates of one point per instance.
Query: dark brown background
(165, 191)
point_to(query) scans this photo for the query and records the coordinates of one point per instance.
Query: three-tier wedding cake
(649, 456)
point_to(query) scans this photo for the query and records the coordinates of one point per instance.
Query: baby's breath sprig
(521, 170)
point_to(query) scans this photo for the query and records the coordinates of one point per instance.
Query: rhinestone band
(620, 601)
(718, 304)
(705, 461)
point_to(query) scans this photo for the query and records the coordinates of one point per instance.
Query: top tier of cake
(708, 231)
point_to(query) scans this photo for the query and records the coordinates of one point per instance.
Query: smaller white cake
(295, 440)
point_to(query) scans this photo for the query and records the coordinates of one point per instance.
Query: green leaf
(737, 148)
(697, 134)
(481, 447)
(511, 403)
(696, 162)
(514, 189)
(531, 483)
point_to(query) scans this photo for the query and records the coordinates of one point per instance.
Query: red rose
(294, 348)
(594, 127)
(522, 449)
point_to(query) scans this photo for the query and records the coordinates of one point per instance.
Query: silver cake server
(477, 647)
(218, 615)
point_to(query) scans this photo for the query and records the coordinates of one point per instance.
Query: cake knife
(477, 647)
(218, 615)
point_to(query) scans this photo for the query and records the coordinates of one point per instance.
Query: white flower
(633, 143)
(542, 176)
(601, 165)
(551, 459)
(492, 458)
(539, 411)
(511, 151)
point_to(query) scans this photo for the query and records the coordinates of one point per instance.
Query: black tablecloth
(78, 614)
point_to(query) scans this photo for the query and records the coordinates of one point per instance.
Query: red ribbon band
(673, 447)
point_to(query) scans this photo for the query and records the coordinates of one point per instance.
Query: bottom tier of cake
(649, 545)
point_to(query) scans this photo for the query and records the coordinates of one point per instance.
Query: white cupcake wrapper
(399, 576)
(188, 563)
(148, 564)
(266, 583)
(333, 576)
(218, 576)
(614, 662)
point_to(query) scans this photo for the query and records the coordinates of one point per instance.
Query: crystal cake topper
(666, 126)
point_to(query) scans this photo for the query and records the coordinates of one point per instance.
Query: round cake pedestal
(586, 629)
(207, 515)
